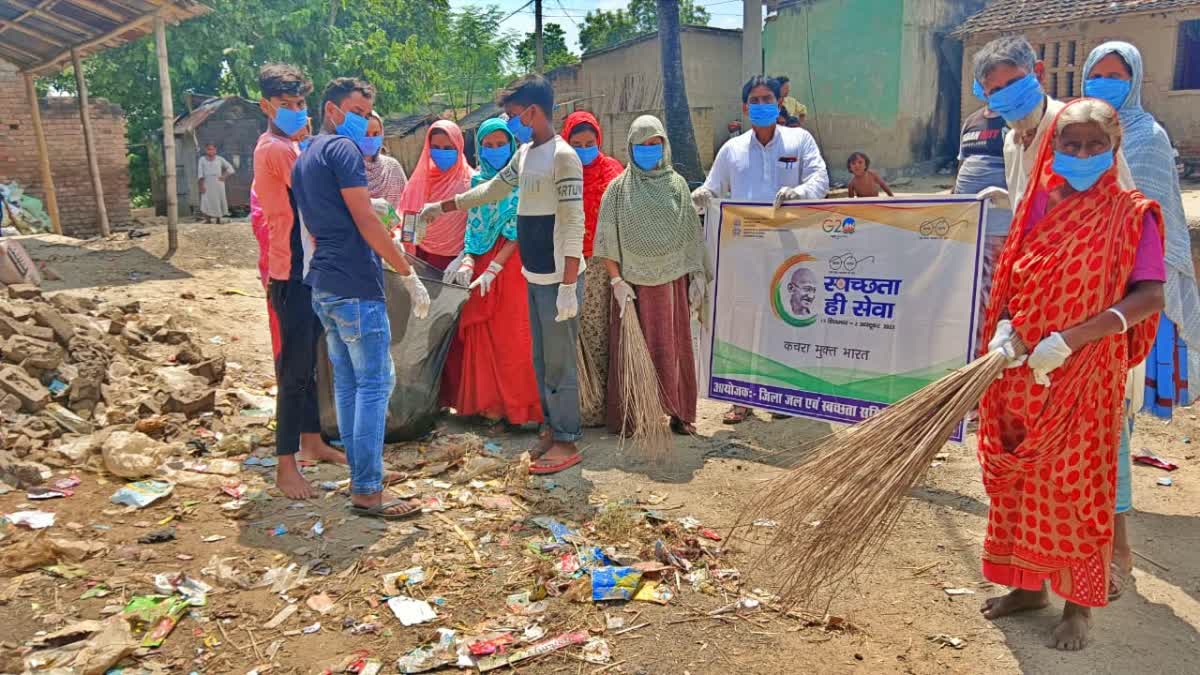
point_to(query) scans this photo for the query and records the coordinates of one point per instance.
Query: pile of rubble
(73, 370)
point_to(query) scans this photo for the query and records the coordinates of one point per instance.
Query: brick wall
(68, 160)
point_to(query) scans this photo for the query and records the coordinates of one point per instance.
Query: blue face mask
(1108, 89)
(445, 159)
(290, 121)
(1015, 101)
(1082, 173)
(370, 145)
(647, 157)
(977, 89)
(522, 133)
(588, 155)
(764, 114)
(305, 143)
(354, 126)
(496, 157)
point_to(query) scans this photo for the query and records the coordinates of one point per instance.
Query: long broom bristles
(837, 506)
(644, 421)
(589, 379)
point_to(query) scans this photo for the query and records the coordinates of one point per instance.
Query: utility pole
(752, 54)
(540, 63)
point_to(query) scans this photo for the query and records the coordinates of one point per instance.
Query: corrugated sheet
(1009, 15)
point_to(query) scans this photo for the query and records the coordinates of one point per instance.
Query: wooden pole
(168, 123)
(43, 155)
(89, 143)
(539, 63)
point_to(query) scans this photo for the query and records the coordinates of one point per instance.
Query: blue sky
(569, 13)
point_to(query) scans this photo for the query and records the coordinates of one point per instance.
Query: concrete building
(68, 160)
(621, 82)
(877, 76)
(1064, 32)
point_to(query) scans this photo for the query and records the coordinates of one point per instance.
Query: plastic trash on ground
(615, 583)
(142, 493)
(411, 611)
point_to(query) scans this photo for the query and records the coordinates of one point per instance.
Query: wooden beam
(89, 143)
(100, 10)
(85, 47)
(32, 32)
(40, 10)
(22, 55)
(43, 155)
(168, 130)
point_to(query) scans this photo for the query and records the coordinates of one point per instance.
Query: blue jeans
(554, 361)
(359, 338)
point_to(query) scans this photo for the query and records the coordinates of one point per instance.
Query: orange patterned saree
(1049, 453)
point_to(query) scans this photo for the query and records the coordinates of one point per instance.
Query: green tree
(554, 49)
(603, 28)
(475, 60)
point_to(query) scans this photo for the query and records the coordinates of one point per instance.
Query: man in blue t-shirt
(346, 276)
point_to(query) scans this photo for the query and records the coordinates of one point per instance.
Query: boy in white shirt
(550, 239)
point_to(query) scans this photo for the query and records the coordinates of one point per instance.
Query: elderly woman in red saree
(1080, 281)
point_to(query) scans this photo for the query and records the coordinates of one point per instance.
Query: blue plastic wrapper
(559, 531)
(615, 583)
(142, 493)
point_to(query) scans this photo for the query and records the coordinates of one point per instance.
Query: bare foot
(559, 451)
(1071, 635)
(545, 440)
(313, 448)
(1013, 602)
(290, 481)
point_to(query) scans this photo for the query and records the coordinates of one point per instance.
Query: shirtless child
(865, 182)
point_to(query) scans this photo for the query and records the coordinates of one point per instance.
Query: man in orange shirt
(298, 425)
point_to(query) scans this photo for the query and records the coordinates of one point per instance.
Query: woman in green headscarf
(651, 242)
(489, 371)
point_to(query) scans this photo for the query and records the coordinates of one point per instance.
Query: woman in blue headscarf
(1114, 73)
(489, 372)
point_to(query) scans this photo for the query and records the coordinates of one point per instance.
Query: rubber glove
(1002, 342)
(1051, 352)
(416, 291)
(568, 304)
(623, 293)
(451, 270)
(787, 194)
(696, 292)
(465, 270)
(484, 282)
(702, 198)
(997, 196)
(380, 206)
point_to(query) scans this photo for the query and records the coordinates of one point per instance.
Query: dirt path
(898, 601)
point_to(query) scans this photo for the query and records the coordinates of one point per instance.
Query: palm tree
(675, 100)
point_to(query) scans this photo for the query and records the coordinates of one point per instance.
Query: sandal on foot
(737, 415)
(547, 469)
(1118, 581)
(383, 511)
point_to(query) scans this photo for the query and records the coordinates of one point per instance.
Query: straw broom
(589, 379)
(643, 422)
(837, 506)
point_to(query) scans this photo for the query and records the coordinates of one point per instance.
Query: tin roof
(1007, 15)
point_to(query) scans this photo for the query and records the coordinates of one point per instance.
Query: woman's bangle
(1124, 321)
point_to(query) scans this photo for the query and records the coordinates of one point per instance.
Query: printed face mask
(647, 157)
(354, 126)
(588, 155)
(1110, 90)
(496, 157)
(1082, 173)
(444, 158)
(1017, 100)
(764, 114)
(519, 130)
(290, 121)
(370, 145)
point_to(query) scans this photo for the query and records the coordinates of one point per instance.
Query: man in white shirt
(769, 163)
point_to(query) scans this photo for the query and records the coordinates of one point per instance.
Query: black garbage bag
(419, 350)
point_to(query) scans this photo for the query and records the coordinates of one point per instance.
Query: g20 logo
(939, 228)
(838, 226)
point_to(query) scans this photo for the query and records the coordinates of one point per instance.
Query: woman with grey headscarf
(1114, 73)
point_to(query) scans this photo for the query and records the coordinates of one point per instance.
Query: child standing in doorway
(864, 182)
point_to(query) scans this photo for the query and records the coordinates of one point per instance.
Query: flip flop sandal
(736, 416)
(1118, 581)
(382, 511)
(547, 469)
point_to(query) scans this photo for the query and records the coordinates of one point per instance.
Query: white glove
(787, 194)
(1050, 353)
(416, 291)
(380, 206)
(466, 270)
(568, 304)
(702, 198)
(1002, 342)
(997, 196)
(696, 291)
(484, 282)
(623, 293)
(429, 213)
(451, 270)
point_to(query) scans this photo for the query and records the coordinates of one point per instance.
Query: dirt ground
(897, 602)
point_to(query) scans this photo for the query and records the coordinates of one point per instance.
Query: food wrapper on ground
(615, 583)
(411, 611)
(597, 651)
(142, 493)
(654, 591)
(560, 532)
(157, 615)
(34, 520)
(1155, 461)
(432, 655)
(522, 603)
(552, 645)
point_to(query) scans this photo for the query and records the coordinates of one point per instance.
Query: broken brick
(15, 381)
(68, 420)
(22, 474)
(24, 292)
(14, 311)
(48, 317)
(212, 370)
(29, 352)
